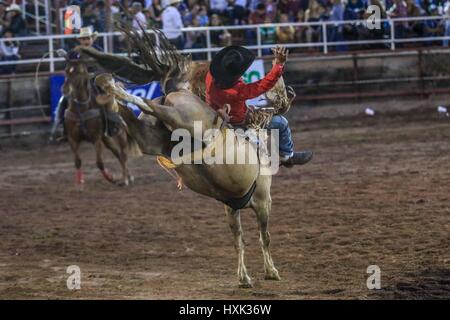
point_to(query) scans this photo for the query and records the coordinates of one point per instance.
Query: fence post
(37, 17)
(208, 43)
(51, 54)
(258, 40)
(105, 43)
(392, 34)
(324, 38)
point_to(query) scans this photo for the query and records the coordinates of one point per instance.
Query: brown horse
(88, 117)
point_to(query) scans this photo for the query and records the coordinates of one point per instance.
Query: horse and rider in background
(90, 115)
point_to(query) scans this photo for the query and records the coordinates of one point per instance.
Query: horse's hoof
(246, 283)
(131, 179)
(123, 183)
(272, 275)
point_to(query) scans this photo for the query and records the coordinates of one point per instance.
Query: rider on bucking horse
(224, 85)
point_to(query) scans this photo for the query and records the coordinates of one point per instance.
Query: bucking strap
(239, 203)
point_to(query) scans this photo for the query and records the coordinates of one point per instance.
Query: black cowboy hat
(229, 64)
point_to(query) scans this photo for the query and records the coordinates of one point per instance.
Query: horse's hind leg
(123, 158)
(100, 165)
(118, 148)
(261, 203)
(234, 220)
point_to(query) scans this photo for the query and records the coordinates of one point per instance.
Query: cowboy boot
(298, 158)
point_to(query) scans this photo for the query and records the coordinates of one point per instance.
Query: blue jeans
(286, 145)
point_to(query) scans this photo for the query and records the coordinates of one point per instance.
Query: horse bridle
(85, 102)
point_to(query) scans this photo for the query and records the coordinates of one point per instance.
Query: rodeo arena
(146, 145)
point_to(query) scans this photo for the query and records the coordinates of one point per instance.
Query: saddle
(113, 121)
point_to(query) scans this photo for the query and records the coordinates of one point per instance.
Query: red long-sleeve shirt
(240, 92)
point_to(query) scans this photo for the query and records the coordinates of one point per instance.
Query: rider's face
(85, 42)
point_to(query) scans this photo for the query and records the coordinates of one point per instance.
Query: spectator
(256, 17)
(139, 19)
(196, 40)
(218, 7)
(354, 10)
(259, 15)
(313, 14)
(399, 10)
(9, 51)
(219, 38)
(415, 28)
(335, 31)
(289, 7)
(446, 23)
(236, 11)
(189, 15)
(300, 30)
(268, 35)
(101, 14)
(433, 27)
(15, 22)
(155, 10)
(172, 24)
(285, 34)
(271, 9)
(203, 18)
(89, 16)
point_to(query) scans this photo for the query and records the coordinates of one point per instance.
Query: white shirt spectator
(241, 3)
(218, 4)
(171, 22)
(139, 21)
(148, 3)
(9, 50)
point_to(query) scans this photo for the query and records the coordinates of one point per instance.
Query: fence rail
(389, 39)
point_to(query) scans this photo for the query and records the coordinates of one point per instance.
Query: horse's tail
(158, 55)
(134, 135)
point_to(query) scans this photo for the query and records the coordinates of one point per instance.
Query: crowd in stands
(175, 14)
(172, 15)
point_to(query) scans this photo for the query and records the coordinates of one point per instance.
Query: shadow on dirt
(427, 284)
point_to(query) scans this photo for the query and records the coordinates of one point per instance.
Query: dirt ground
(376, 193)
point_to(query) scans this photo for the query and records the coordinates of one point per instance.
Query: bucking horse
(238, 186)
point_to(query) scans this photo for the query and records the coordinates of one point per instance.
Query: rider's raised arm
(255, 89)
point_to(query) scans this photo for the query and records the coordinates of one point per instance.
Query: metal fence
(388, 40)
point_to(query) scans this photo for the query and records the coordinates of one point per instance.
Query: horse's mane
(158, 55)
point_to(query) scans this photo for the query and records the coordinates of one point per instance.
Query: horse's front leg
(262, 215)
(100, 165)
(79, 176)
(261, 204)
(234, 220)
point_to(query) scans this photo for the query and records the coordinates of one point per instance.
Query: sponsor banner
(149, 91)
(253, 74)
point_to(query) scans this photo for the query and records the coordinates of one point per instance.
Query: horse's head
(77, 75)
